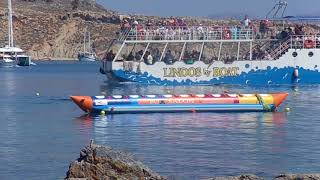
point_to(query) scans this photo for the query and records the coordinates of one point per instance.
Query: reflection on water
(228, 143)
(196, 145)
(85, 121)
(132, 88)
(49, 129)
(274, 119)
(200, 120)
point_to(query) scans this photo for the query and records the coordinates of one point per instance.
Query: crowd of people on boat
(172, 28)
(178, 29)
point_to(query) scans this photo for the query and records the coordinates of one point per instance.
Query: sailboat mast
(10, 28)
(84, 41)
(89, 42)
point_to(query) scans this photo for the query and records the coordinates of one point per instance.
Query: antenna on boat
(10, 29)
(277, 8)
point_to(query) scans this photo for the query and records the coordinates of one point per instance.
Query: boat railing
(124, 33)
(305, 42)
(282, 48)
(186, 33)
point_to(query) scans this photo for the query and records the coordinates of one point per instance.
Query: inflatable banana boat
(180, 103)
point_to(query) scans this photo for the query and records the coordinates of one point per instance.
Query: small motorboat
(117, 104)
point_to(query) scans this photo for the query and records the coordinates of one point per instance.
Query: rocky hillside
(54, 28)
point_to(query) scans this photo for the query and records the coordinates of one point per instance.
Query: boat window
(247, 95)
(216, 95)
(232, 95)
(264, 95)
(134, 96)
(200, 95)
(151, 96)
(117, 97)
(310, 54)
(294, 54)
(167, 96)
(100, 97)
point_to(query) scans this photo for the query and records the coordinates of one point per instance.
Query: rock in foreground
(100, 162)
(279, 177)
(298, 177)
(241, 177)
(104, 163)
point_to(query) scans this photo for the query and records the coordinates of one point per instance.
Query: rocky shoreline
(101, 162)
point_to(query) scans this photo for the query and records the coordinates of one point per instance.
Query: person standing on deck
(149, 59)
(246, 21)
(234, 32)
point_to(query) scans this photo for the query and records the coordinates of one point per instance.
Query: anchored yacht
(87, 54)
(11, 55)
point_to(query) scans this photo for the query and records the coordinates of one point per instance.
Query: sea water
(42, 131)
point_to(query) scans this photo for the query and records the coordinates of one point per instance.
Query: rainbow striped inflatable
(180, 103)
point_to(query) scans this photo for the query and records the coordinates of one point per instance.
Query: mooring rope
(265, 106)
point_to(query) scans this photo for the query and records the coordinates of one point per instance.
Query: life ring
(309, 43)
(226, 34)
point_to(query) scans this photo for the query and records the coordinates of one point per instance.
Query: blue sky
(207, 7)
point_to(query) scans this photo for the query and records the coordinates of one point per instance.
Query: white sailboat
(11, 55)
(87, 54)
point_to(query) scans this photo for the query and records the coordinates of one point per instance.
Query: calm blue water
(41, 135)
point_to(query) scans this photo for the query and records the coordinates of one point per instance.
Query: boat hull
(184, 108)
(261, 77)
(285, 70)
(87, 59)
(7, 63)
(183, 103)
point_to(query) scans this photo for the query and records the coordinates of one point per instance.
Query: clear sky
(208, 7)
